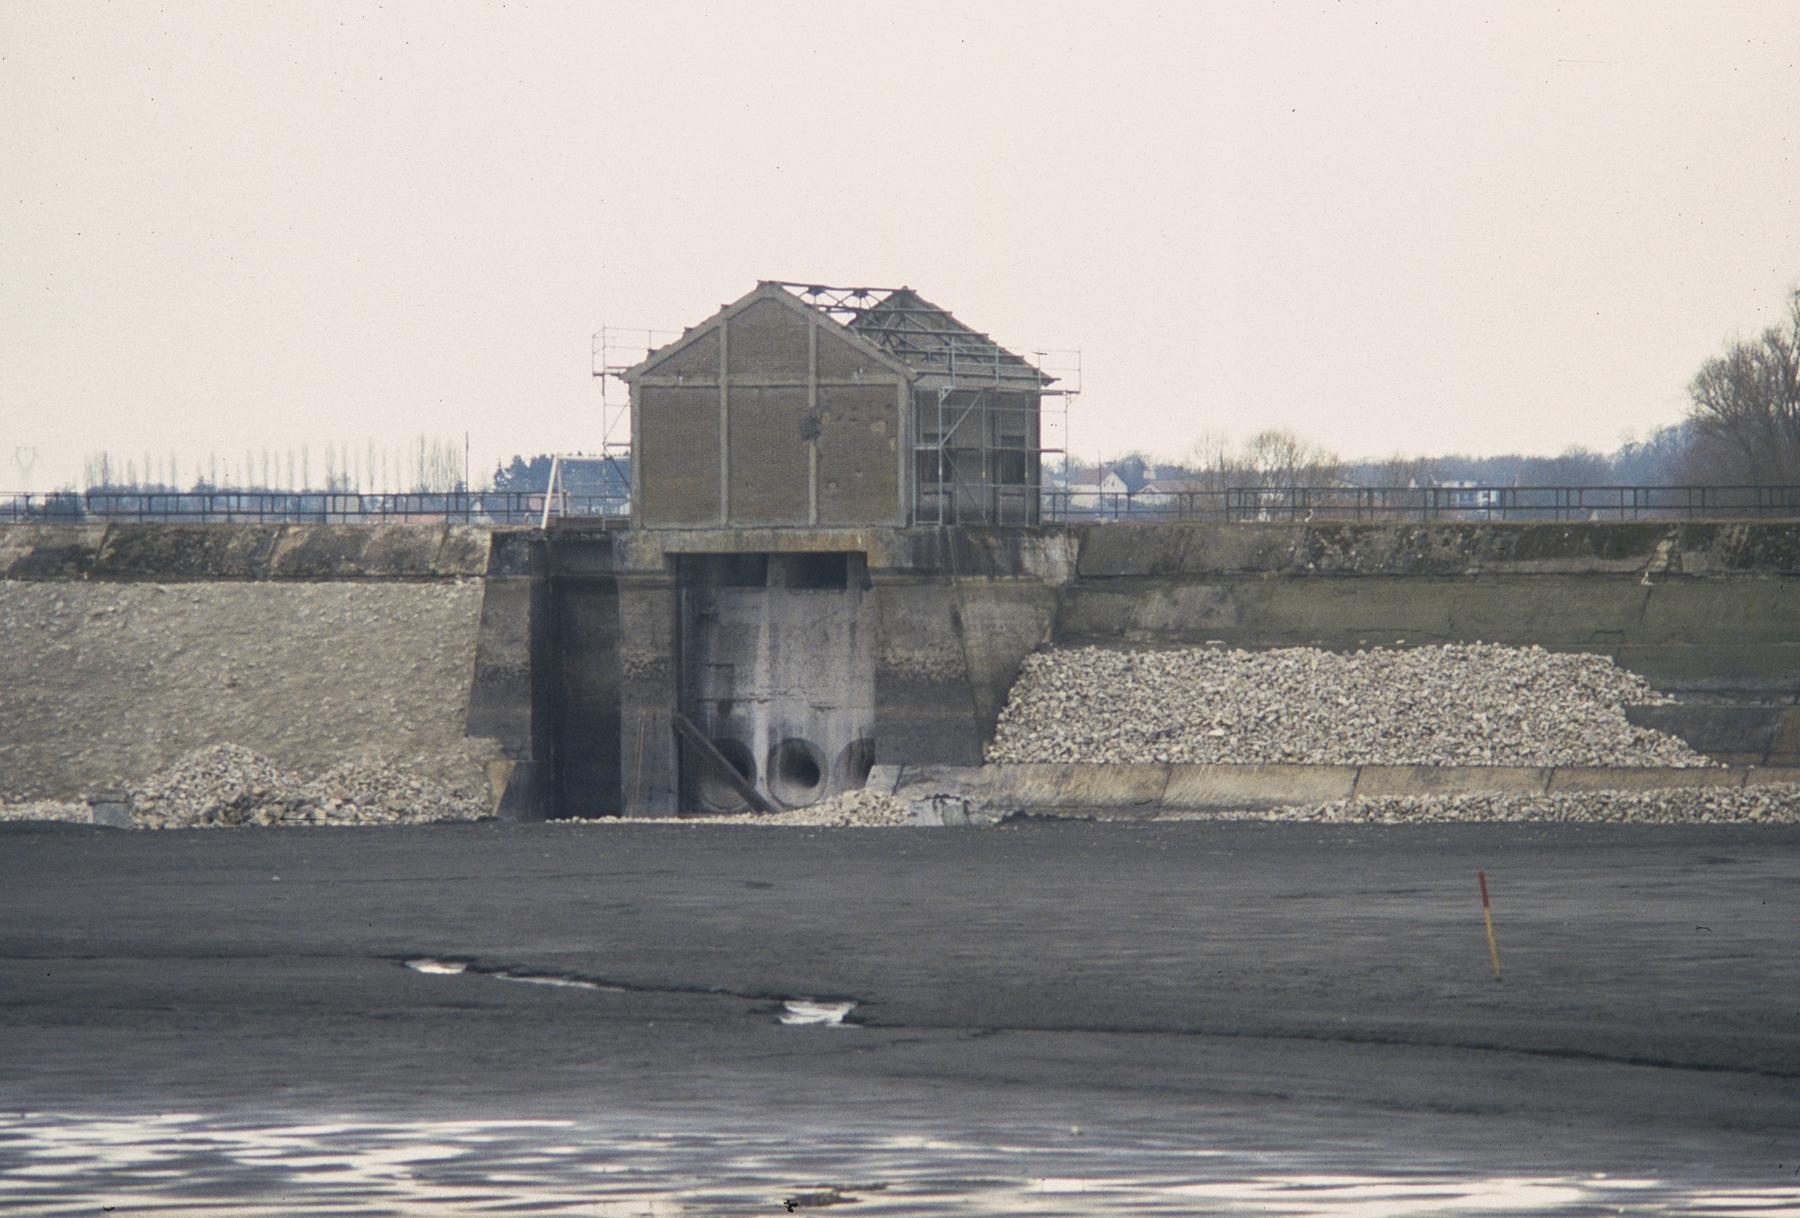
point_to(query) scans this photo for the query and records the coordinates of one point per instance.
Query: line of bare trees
(1742, 427)
(426, 464)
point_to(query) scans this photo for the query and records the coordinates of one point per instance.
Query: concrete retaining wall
(1705, 606)
(1692, 634)
(1148, 788)
(570, 659)
(180, 553)
(1398, 548)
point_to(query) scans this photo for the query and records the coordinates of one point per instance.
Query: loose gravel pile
(222, 785)
(850, 810)
(227, 785)
(373, 792)
(1777, 803)
(1464, 704)
(46, 809)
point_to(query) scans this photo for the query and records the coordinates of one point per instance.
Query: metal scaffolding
(616, 349)
(981, 430)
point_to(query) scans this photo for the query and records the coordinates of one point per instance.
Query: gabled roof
(764, 290)
(896, 326)
(929, 339)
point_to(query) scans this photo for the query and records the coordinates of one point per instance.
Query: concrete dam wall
(613, 671)
(1705, 606)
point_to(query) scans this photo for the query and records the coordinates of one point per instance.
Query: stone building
(801, 405)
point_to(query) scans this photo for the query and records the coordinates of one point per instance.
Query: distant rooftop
(925, 337)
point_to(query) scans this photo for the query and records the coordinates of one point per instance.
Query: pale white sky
(1414, 227)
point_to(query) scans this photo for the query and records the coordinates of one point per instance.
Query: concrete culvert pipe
(713, 790)
(796, 773)
(855, 762)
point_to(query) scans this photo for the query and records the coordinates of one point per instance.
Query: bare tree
(1745, 408)
(1401, 470)
(1208, 460)
(1277, 457)
(437, 464)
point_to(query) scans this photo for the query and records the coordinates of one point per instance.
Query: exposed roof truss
(927, 338)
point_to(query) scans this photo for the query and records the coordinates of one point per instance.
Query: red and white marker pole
(1487, 917)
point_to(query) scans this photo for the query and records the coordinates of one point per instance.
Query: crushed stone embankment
(1460, 704)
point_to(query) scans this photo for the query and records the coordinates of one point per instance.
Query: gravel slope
(1466, 704)
(107, 683)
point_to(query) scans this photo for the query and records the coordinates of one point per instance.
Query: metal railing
(307, 507)
(1280, 503)
(1521, 503)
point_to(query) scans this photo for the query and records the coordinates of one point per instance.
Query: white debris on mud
(1462, 704)
(850, 810)
(1775, 803)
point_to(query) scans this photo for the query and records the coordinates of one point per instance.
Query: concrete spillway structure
(777, 673)
(814, 652)
(804, 655)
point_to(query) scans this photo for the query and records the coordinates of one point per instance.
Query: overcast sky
(1413, 227)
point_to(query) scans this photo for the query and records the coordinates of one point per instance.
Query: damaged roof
(896, 325)
(925, 337)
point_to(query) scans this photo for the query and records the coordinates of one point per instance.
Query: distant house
(1465, 494)
(1135, 476)
(1086, 484)
(1182, 493)
(1095, 488)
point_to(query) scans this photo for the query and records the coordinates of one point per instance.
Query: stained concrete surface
(1295, 994)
